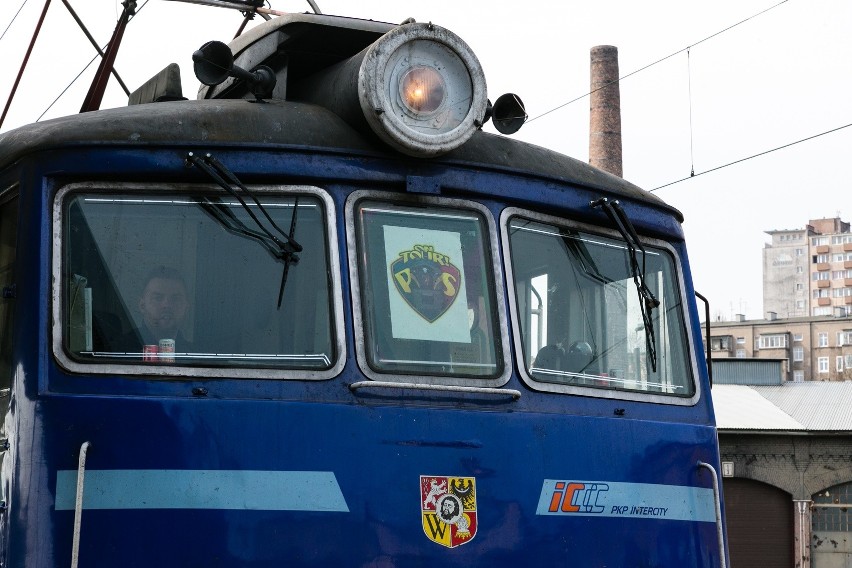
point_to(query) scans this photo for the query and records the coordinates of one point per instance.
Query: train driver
(163, 305)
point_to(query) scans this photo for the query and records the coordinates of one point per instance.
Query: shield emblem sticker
(448, 509)
(426, 280)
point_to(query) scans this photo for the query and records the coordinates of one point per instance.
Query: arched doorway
(760, 524)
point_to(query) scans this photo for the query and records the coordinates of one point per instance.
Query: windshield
(580, 316)
(427, 291)
(178, 279)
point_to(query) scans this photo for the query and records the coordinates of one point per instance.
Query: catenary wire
(732, 26)
(752, 156)
(14, 18)
(691, 150)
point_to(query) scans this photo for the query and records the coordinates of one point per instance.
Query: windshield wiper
(285, 250)
(647, 300)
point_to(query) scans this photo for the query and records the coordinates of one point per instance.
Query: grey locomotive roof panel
(283, 124)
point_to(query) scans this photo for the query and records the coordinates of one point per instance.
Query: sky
(781, 74)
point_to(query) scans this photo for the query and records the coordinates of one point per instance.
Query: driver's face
(163, 306)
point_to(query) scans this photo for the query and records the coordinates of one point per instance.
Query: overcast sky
(779, 77)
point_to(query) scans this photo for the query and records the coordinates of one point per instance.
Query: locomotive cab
(327, 320)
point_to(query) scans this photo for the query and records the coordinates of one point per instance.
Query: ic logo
(576, 497)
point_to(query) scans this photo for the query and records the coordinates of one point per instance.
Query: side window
(186, 278)
(427, 291)
(582, 324)
(8, 235)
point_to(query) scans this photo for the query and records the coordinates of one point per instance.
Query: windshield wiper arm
(287, 264)
(647, 300)
(230, 223)
(216, 169)
(285, 250)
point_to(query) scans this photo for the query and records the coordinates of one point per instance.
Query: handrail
(707, 346)
(720, 529)
(444, 388)
(78, 504)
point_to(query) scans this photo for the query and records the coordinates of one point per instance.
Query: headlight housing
(422, 89)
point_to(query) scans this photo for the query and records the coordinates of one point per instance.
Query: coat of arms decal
(448, 509)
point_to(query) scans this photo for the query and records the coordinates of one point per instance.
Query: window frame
(164, 372)
(590, 391)
(492, 245)
(8, 196)
(798, 353)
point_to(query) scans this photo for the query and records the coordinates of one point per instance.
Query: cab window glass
(581, 317)
(427, 291)
(184, 279)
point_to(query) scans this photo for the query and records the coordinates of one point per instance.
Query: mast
(24, 64)
(96, 90)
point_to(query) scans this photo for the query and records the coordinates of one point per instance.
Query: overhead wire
(13, 19)
(687, 48)
(753, 156)
(691, 150)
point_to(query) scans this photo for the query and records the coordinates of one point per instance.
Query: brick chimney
(605, 111)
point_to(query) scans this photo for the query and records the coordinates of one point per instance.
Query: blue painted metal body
(259, 472)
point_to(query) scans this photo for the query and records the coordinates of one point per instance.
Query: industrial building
(786, 457)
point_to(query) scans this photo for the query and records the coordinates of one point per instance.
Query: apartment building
(808, 272)
(816, 348)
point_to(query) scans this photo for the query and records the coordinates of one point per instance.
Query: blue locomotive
(318, 317)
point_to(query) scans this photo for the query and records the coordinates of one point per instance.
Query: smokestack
(605, 111)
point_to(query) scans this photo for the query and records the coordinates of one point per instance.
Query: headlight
(422, 89)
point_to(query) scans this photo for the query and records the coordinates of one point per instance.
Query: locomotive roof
(221, 122)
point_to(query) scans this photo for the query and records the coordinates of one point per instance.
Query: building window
(849, 361)
(799, 252)
(741, 341)
(797, 337)
(822, 364)
(798, 376)
(777, 341)
(741, 354)
(824, 275)
(798, 353)
(817, 241)
(800, 304)
(820, 258)
(826, 311)
(799, 270)
(839, 364)
(799, 287)
(722, 343)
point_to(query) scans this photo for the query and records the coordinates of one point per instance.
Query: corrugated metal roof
(807, 407)
(741, 407)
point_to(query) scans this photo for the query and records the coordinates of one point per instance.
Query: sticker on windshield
(448, 509)
(425, 279)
